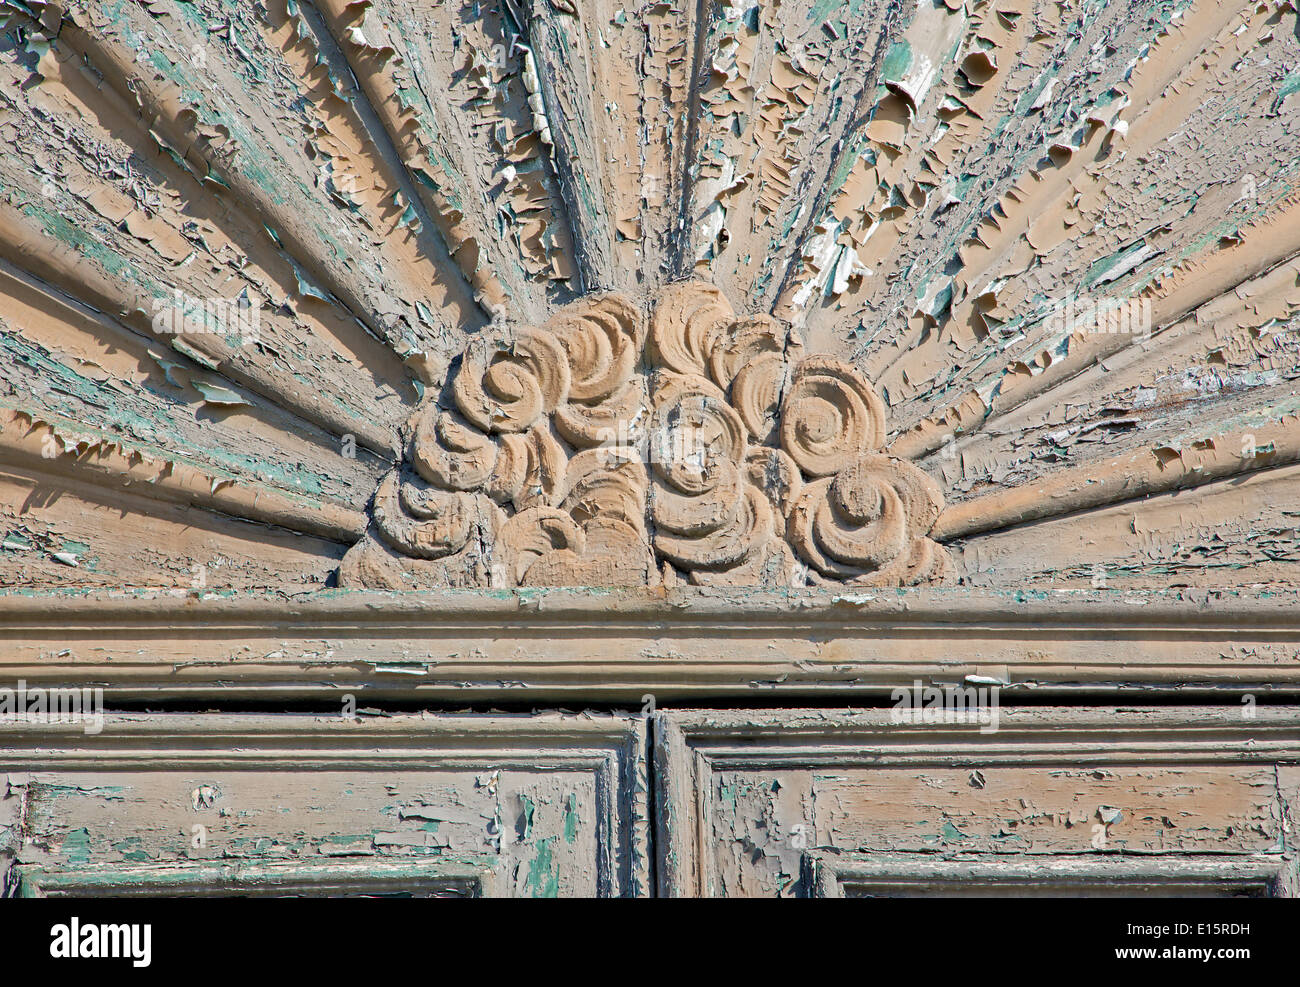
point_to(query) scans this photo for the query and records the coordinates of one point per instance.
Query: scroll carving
(605, 448)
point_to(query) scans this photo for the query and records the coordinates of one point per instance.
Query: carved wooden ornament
(598, 449)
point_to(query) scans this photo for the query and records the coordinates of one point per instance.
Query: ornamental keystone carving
(605, 449)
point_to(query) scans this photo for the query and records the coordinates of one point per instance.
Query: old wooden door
(547, 448)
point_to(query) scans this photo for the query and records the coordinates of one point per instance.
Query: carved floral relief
(608, 448)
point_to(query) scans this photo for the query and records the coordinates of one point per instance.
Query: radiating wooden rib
(462, 83)
(112, 464)
(75, 533)
(893, 167)
(1006, 249)
(680, 256)
(467, 244)
(66, 272)
(669, 67)
(1151, 124)
(761, 262)
(1231, 320)
(223, 239)
(131, 388)
(1108, 428)
(578, 132)
(1265, 247)
(1151, 118)
(165, 114)
(887, 347)
(295, 346)
(930, 161)
(1124, 478)
(621, 172)
(817, 152)
(737, 100)
(1231, 532)
(411, 257)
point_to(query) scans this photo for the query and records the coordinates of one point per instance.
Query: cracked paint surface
(246, 245)
(542, 806)
(956, 197)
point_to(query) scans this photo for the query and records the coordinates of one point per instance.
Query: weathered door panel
(535, 806)
(1055, 801)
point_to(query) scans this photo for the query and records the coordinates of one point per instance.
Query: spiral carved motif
(686, 321)
(448, 453)
(617, 420)
(529, 470)
(863, 524)
(602, 338)
(422, 521)
(604, 448)
(535, 534)
(601, 485)
(830, 413)
(508, 380)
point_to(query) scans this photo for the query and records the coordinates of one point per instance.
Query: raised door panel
(1055, 801)
(435, 805)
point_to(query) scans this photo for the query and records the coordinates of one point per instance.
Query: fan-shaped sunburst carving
(533, 292)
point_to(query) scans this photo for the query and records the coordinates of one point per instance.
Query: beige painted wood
(361, 295)
(304, 306)
(401, 879)
(525, 805)
(762, 803)
(582, 646)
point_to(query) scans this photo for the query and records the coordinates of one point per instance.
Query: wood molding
(408, 878)
(618, 646)
(693, 749)
(833, 875)
(609, 749)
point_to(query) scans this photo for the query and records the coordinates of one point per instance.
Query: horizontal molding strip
(618, 646)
